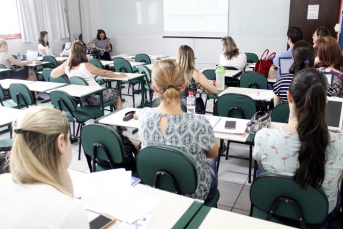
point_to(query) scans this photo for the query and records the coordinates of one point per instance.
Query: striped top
(282, 85)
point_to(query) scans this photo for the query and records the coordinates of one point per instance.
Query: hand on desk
(121, 75)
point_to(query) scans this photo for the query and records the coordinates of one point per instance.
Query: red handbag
(262, 66)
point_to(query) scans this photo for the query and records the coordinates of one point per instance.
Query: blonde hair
(185, 59)
(229, 47)
(35, 157)
(167, 77)
(2, 42)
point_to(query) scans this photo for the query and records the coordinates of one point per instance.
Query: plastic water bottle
(220, 77)
(18, 56)
(191, 103)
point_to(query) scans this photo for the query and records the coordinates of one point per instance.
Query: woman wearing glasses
(231, 57)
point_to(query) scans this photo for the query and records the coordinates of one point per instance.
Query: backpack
(263, 65)
(66, 49)
(261, 119)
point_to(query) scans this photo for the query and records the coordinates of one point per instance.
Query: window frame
(12, 36)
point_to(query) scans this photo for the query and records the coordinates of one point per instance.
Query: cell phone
(129, 115)
(102, 221)
(230, 124)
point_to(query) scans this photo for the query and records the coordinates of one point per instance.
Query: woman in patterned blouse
(102, 42)
(168, 125)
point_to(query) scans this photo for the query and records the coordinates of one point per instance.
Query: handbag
(261, 119)
(263, 65)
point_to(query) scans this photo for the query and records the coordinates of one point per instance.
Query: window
(9, 17)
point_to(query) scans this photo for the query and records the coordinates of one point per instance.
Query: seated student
(304, 148)
(320, 32)
(7, 60)
(44, 47)
(193, 77)
(38, 193)
(77, 65)
(169, 125)
(102, 42)
(294, 34)
(330, 58)
(231, 57)
(303, 57)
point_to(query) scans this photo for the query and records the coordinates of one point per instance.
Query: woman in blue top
(169, 125)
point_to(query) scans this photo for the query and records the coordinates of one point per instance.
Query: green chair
(4, 75)
(235, 106)
(46, 74)
(102, 142)
(210, 75)
(170, 169)
(52, 60)
(141, 57)
(65, 102)
(251, 57)
(253, 80)
(279, 199)
(4, 102)
(148, 85)
(98, 64)
(280, 113)
(23, 97)
(6, 144)
(121, 65)
(62, 79)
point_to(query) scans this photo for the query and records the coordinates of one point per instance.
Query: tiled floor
(233, 173)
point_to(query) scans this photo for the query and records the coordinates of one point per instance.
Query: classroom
(174, 117)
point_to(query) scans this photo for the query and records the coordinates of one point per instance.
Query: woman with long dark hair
(304, 148)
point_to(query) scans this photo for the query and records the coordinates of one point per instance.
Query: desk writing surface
(78, 90)
(7, 82)
(42, 86)
(110, 63)
(218, 218)
(61, 58)
(8, 115)
(150, 66)
(5, 70)
(116, 118)
(266, 95)
(129, 76)
(38, 64)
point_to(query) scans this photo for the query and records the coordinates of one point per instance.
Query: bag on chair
(263, 65)
(261, 119)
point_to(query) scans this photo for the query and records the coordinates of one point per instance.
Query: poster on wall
(312, 12)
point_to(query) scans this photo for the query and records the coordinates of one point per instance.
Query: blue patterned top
(190, 133)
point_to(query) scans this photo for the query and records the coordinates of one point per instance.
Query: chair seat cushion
(84, 113)
(6, 144)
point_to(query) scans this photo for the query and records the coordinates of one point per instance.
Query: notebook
(31, 54)
(285, 65)
(335, 113)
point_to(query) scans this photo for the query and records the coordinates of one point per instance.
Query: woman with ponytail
(168, 125)
(304, 148)
(38, 193)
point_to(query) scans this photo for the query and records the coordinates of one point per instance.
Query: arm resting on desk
(19, 63)
(205, 83)
(102, 72)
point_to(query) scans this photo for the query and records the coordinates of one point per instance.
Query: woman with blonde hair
(231, 57)
(39, 192)
(168, 125)
(185, 59)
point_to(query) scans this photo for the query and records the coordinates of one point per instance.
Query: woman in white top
(231, 57)
(38, 193)
(44, 47)
(77, 65)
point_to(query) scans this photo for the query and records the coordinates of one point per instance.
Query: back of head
(322, 31)
(35, 156)
(100, 31)
(186, 61)
(295, 34)
(168, 78)
(2, 42)
(78, 54)
(229, 47)
(329, 52)
(303, 55)
(308, 89)
(41, 38)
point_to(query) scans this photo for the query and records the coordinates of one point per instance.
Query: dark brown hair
(295, 34)
(78, 53)
(41, 38)
(322, 31)
(303, 55)
(329, 52)
(308, 89)
(100, 31)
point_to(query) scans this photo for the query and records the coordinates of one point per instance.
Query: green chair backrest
(61, 79)
(111, 47)
(251, 57)
(269, 187)
(99, 138)
(145, 70)
(96, 63)
(253, 80)
(280, 113)
(210, 74)
(63, 101)
(78, 81)
(121, 65)
(154, 159)
(141, 57)
(52, 60)
(235, 106)
(4, 75)
(46, 74)
(21, 94)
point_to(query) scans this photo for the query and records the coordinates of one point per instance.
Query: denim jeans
(213, 168)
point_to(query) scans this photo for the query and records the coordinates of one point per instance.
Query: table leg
(221, 146)
(250, 162)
